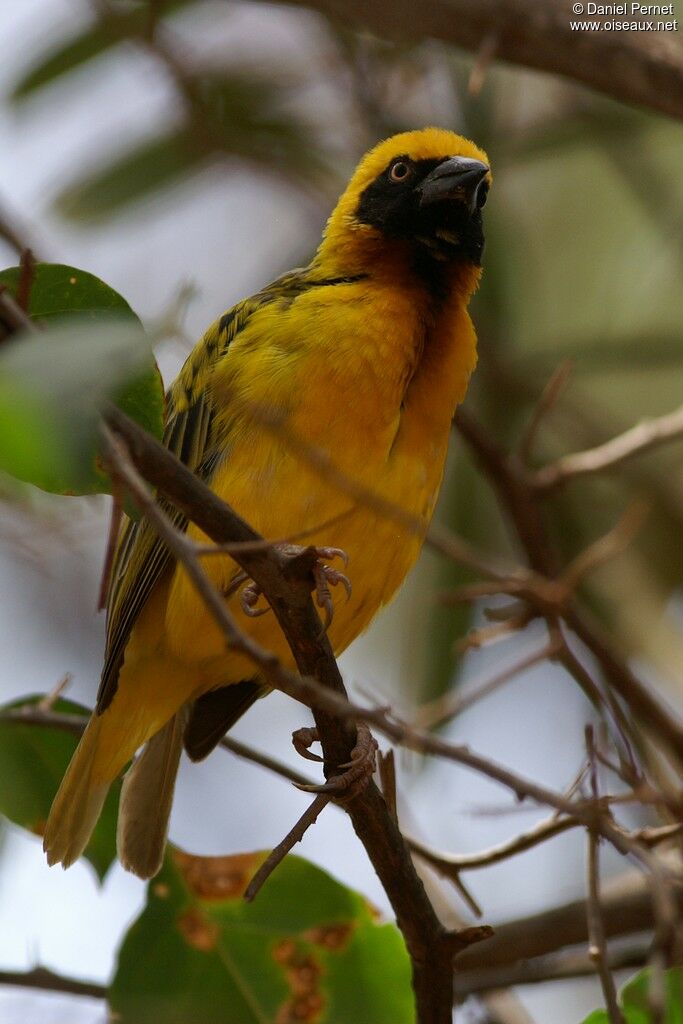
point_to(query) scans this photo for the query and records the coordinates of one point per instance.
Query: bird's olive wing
(141, 558)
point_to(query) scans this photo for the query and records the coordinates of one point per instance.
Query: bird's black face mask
(435, 204)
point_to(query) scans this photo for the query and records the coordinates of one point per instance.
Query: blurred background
(189, 168)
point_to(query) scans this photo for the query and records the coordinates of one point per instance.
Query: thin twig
(597, 943)
(542, 969)
(639, 439)
(112, 537)
(47, 703)
(44, 980)
(454, 703)
(518, 497)
(11, 313)
(549, 397)
(279, 852)
(451, 864)
(482, 63)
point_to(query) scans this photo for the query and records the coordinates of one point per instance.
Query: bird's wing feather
(141, 558)
(191, 434)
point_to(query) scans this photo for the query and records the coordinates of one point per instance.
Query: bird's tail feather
(78, 803)
(146, 798)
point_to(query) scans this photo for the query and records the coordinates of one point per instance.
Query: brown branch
(451, 864)
(12, 317)
(453, 703)
(290, 599)
(34, 714)
(626, 904)
(517, 496)
(279, 852)
(41, 978)
(639, 439)
(556, 967)
(645, 68)
(597, 942)
(547, 400)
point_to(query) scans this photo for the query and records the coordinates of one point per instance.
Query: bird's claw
(356, 773)
(324, 577)
(248, 599)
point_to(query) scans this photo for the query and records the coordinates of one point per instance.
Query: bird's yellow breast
(374, 389)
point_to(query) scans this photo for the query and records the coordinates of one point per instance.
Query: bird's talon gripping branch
(249, 598)
(356, 773)
(324, 577)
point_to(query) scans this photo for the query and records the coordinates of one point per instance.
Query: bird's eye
(482, 194)
(399, 171)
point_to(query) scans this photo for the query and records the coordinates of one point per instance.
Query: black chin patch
(440, 232)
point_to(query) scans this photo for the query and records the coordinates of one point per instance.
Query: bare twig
(517, 496)
(597, 943)
(482, 63)
(453, 703)
(256, 757)
(543, 969)
(12, 316)
(278, 854)
(549, 397)
(450, 864)
(626, 905)
(639, 439)
(41, 978)
(110, 551)
(47, 703)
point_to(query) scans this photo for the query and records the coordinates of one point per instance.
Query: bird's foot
(353, 776)
(324, 577)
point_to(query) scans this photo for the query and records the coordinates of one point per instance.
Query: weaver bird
(364, 354)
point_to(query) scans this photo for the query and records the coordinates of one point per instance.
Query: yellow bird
(365, 353)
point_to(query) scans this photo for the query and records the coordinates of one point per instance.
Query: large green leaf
(58, 290)
(307, 949)
(53, 382)
(33, 759)
(635, 1004)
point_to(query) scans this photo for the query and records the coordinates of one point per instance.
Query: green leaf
(127, 23)
(634, 1000)
(635, 997)
(58, 290)
(53, 382)
(29, 447)
(33, 759)
(306, 949)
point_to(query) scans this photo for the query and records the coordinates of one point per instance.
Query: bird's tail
(79, 800)
(146, 799)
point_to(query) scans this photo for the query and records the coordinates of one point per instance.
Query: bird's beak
(457, 178)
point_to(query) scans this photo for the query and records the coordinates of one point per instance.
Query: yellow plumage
(364, 354)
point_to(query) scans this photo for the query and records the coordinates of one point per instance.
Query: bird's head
(418, 194)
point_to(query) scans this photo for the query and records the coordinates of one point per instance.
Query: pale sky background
(228, 235)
